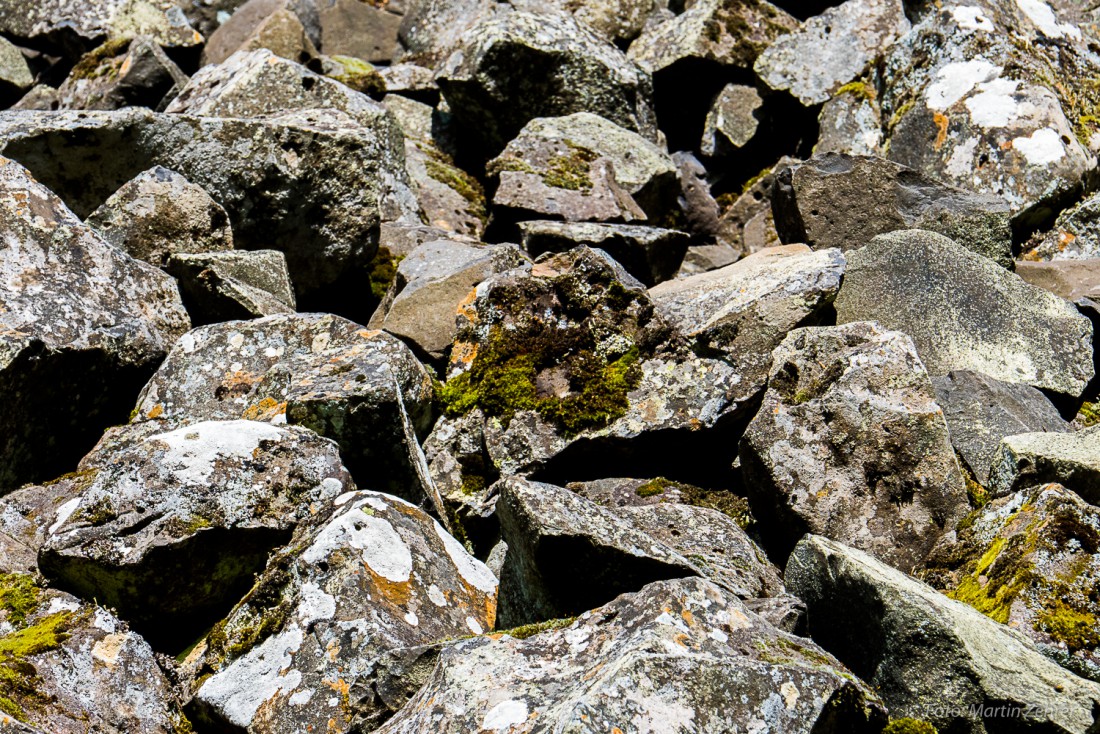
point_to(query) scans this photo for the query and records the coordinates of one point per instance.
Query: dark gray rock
(1028, 459)
(59, 22)
(851, 122)
(117, 75)
(227, 286)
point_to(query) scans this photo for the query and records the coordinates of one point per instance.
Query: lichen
(993, 590)
(92, 65)
(1076, 629)
(909, 726)
(571, 170)
(19, 685)
(18, 596)
(382, 271)
(724, 501)
(357, 74)
(859, 88)
(97, 513)
(1088, 415)
(528, 630)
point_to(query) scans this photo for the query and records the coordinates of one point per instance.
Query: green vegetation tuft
(910, 726)
(528, 630)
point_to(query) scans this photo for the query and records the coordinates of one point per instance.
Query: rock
(851, 122)
(748, 225)
(371, 577)
(650, 254)
(663, 654)
(410, 80)
(15, 75)
(57, 22)
(128, 73)
(625, 492)
(289, 28)
(930, 657)
(431, 29)
(25, 515)
(72, 667)
(837, 200)
(704, 258)
(206, 16)
(361, 30)
(1069, 279)
(1028, 459)
(619, 21)
(849, 442)
(40, 97)
(980, 411)
(159, 213)
(363, 389)
(1074, 236)
(82, 326)
(831, 49)
(431, 282)
(966, 313)
(227, 286)
(696, 202)
(731, 122)
(353, 73)
(170, 529)
(551, 67)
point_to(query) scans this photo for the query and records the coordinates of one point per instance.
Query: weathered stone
(851, 122)
(650, 254)
(704, 258)
(679, 655)
(1070, 279)
(59, 22)
(289, 28)
(410, 80)
(371, 577)
(159, 213)
(431, 29)
(25, 515)
(1075, 235)
(748, 225)
(15, 75)
(626, 492)
(130, 73)
(836, 200)
(361, 30)
(430, 284)
(849, 442)
(980, 411)
(206, 15)
(929, 657)
(731, 122)
(1070, 459)
(966, 313)
(227, 286)
(83, 325)
(40, 97)
(696, 202)
(831, 49)
(520, 66)
(353, 73)
(619, 21)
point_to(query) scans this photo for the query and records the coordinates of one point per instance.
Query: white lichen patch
(315, 605)
(473, 571)
(238, 691)
(64, 513)
(474, 625)
(1041, 14)
(192, 451)
(375, 538)
(994, 103)
(1042, 147)
(971, 18)
(505, 715)
(956, 80)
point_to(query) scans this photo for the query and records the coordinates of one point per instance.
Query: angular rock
(696, 202)
(731, 122)
(289, 28)
(206, 15)
(679, 655)
(82, 326)
(430, 284)
(619, 21)
(371, 577)
(128, 73)
(1070, 459)
(966, 313)
(748, 225)
(1074, 236)
(40, 97)
(25, 516)
(353, 73)
(650, 254)
(851, 122)
(836, 200)
(410, 80)
(59, 22)
(160, 213)
(520, 66)
(849, 442)
(361, 30)
(227, 286)
(831, 49)
(431, 29)
(1069, 279)
(704, 258)
(930, 657)
(15, 75)
(981, 411)
(625, 493)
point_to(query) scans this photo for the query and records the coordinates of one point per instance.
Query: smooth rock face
(371, 576)
(849, 443)
(981, 411)
(831, 49)
(1070, 279)
(1070, 459)
(115, 19)
(679, 655)
(966, 313)
(82, 326)
(226, 286)
(137, 73)
(930, 657)
(836, 200)
(361, 30)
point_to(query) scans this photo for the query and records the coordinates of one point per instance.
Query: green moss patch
(382, 271)
(20, 688)
(441, 168)
(726, 502)
(94, 64)
(528, 630)
(909, 726)
(357, 74)
(18, 596)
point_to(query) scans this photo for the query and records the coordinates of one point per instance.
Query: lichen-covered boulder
(431, 29)
(130, 72)
(290, 29)
(299, 653)
(681, 655)
(81, 327)
(514, 68)
(159, 213)
(1074, 236)
(170, 527)
(964, 312)
(851, 122)
(62, 23)
(226, 286)
(1071, 459)
(930, 657)
(849, 443)
(25, 516)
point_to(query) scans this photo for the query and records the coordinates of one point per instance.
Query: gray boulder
(227, 286)
(288, 28)
(25, 516)
(964, 312)
(1028, 459)
(133, 72)
(731, 122)
(361, 30)
(60, 22)
(431, 29)
(15, 75)
(851, 122)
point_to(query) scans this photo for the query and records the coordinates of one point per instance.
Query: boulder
(650, 254)
(731, 122)
(361, 30)
(57, 22)
(619, 21)
(966, 313)
(1069, 279)
(625, 492)
(679, 655)
(289, 28)
(227, 286)
(353, 73)
(1074, 236)
(1070, 459)
(748, 225)
(25, 516)
(849, 443)
(160, 213)
(410, 80)
(127, 73)
(82, 325)
(431, 29)
(851, 122)
(15, 75)
(930, 657)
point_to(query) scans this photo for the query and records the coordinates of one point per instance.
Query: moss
(652, 488)
(975, 492)
(909, 726)
(357, 74)
(18, 596)
(19, 685)
(528, 630)
(472, 483)
(571, 171)
(443, 170)
(1088, 415)
(1076, 629)
(82, 479)
(178, 527)
(988, 595)
(92, 65)
(726, 502)
(382, 272)
(97, 513)
(508, 163)
(859, 88)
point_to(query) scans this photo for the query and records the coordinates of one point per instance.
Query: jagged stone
(748, 225)
(361, 30)
(130, 73)
(227, 286)
(731, 122)
(1069, 279)
(1027, 459)
(650, 254)
(431, 29)
(289, 28)
(25, 515)
(15, 75)
(60, 22)
(1074, 236)
(851, 122)
(410, 80)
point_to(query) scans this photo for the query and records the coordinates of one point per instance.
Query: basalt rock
(1070, 459)
(227, 286)
(129, 73)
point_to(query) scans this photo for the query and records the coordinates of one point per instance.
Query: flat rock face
(920, 649)
(846, 408)
(1071, 459)
(981, 411)
(114, 19)
(679, 655)
(1070, 279)
(226, 286)
(838, 200)
(289, 28)
(966, 313)
(82, 325)
(14, 72)
(369, 576)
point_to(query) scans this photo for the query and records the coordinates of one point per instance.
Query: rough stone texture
(837, 200)
(289, 28)
(410, 80)
(300, 652)
(430, 29)
(361, 30)
(362, 388)
(849, 443)
(1070, 459)
(679, 655)
(748, 224)
(851, 122)
(159, 213)
(82, 326)
(226, 286)
(313, 184)
(430, 284)
(930, 657)
(966, 313)
(1075, 235)
(137, 73)
(616, 20)
(1070, 279)
(831, 49)
(206, 15)
(650, 254)
(62, 22)
(15, 75)
(731, 122)
(704, 258)
(699, 208)
(170, 529)
(980, 411)
(520, 66)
